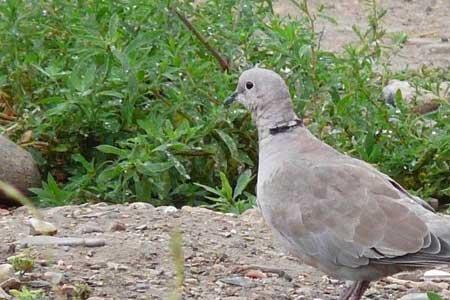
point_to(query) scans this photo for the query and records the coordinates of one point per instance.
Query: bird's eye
(249, 85)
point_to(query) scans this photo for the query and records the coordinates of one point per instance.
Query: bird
(336, 213)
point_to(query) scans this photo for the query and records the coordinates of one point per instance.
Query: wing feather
(352, 216)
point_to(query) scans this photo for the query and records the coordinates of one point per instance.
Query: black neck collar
(285, 126)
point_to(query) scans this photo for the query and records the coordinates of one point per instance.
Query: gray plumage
(335, 212)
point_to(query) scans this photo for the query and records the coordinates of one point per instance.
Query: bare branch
(224, 64)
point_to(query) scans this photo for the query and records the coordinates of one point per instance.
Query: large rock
(421, 100)
(17, 168)
(6, 272)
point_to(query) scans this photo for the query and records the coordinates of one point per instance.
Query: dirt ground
(226, 257)
(426, 24)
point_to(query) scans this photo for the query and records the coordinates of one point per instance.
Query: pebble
(37, 284)
(238, 281)
(4, 295)
(59, 241)
(225, 234)
(434, 203)
(255, 274)
(436, 275)
(6, 272)
(94, 242)
(142, 227)
(415, 296)
(11, 283)
(68, 290)
(410, 276)
(141, 205)
(39, 227)
(191, 281)
(430, 286)
(192, 209)
(142, 287)
(168, 209)
(410, 95)
(4, 212)
(54, 277)
(91, 228)
(118, 226)
(116, 267)
(252, 215)
(394, 286)
(100, 204)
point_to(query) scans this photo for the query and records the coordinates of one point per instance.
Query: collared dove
(336, 213)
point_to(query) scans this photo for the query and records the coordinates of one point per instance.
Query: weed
(433, 296)
(26, 294)
(176, 250)
(228, 199)
(23, 262)
(82, 291)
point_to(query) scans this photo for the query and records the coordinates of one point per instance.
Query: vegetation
(23, 262)
(121, 100)
(26, 294)
(433, 296)
(177, 254)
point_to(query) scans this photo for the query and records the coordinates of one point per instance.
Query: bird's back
(342, 215)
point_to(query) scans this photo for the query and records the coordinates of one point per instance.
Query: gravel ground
(226, 256)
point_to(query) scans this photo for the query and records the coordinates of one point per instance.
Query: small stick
(429, 33)
(224, 64)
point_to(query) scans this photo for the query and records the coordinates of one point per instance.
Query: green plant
(231, 200)
(82, 291)
(433, 296)
(26, 294)
(23, 262)
(176, 251)
(51, 194)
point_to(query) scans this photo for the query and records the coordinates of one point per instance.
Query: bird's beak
(230, 99)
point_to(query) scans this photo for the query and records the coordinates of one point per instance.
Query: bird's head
(265, 94)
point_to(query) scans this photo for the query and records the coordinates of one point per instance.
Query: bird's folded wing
(350, 216)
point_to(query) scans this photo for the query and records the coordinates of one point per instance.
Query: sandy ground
(426, 24)
(226, 256)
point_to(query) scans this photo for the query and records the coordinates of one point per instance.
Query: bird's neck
(270, 118)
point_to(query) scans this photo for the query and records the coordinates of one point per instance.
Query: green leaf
(83, 76)
(108, 149)
(151, 168)
(226, 187)
(244, 179)
(109, 173)
(88, 166)
(229, 142)
(178, 165)
(113, 25)
(61, 148)
(143, 189)
(305, 51)
(433, 296)
(111, 94)
(51, 184)
(210, 189)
